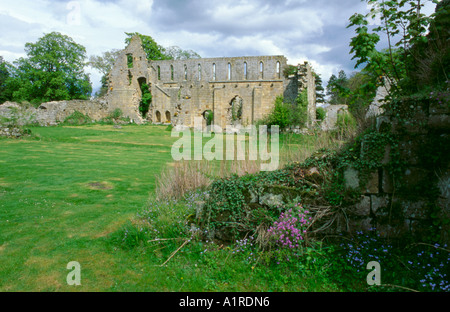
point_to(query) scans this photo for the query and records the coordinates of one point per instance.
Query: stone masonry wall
(52, 113)
(416, 200)
(185, 89)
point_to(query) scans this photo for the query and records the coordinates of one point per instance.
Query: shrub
(77, 118)
(280, 114)
(321, 113)
(346, 122)
(114, 117)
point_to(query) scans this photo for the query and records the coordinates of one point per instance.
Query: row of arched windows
(229, 75)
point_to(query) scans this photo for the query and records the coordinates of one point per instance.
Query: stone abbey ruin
(184, 89)
(236, 90)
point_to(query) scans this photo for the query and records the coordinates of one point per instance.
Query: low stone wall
(53, 113)
(417, 197)
(11, 132)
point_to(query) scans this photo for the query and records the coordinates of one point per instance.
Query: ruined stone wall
(127, 74)
(53, 113)
(185, 89)
(409, 194)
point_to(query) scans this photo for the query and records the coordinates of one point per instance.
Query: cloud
(313, 30)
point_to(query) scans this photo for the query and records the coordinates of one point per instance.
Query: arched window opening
(199, 72)
(185, 72)
(158, 116)
(167, 116)
(278, 70)
(130, 60)
(171, 72)
(245, 71)
(229, 71)
(214, 71)
(261, 70)
(146, 96)
(159, 72)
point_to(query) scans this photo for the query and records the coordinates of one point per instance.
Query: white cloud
(313, 30)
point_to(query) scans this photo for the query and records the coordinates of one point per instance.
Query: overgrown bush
(288, 114)
(77, 118)
(114, 117)
(321, 114)
(346, 122)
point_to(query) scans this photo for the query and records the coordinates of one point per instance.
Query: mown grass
(64, 190)
(87, 194)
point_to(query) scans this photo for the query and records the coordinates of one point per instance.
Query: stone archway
(158, 117)
(146, 97)
(208, 116)
(235, 109)
(168, 119)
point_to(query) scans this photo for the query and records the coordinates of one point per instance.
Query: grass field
(65, 190)
(87, 194)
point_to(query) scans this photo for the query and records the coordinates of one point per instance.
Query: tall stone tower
(129, 72)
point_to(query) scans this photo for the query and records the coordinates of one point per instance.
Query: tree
(403, 25)
(104, 63)
(320, 96)
(152, 50)
(431, 57)
(53, 70)
(177, 53)
(4, 76)
(337, 88)
(155, 51)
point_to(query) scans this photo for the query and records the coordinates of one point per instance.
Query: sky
(302, 30)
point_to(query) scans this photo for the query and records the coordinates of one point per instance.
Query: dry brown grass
(183, 176)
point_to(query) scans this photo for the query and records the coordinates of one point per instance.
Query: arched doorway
(146, 96)
(235, 111)
(208, 115)
(158, 116)
(168, 117)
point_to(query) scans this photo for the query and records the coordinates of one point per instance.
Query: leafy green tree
(152, 50)
(403, 25)
(320, 95)
(431, 56)
(176, 53)
(104, 63)
(4, 76)
(337, 88)
(53, 70)
(280, 115)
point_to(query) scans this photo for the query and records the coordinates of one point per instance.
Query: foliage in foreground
(165, 231)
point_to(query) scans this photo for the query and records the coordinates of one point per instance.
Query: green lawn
(64, 192)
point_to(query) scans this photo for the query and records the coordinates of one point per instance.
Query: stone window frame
(229, 71)
(185, 72)
(214, 71)
(261, 70)
(278, 69)
(245, 71)
(171, 72)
